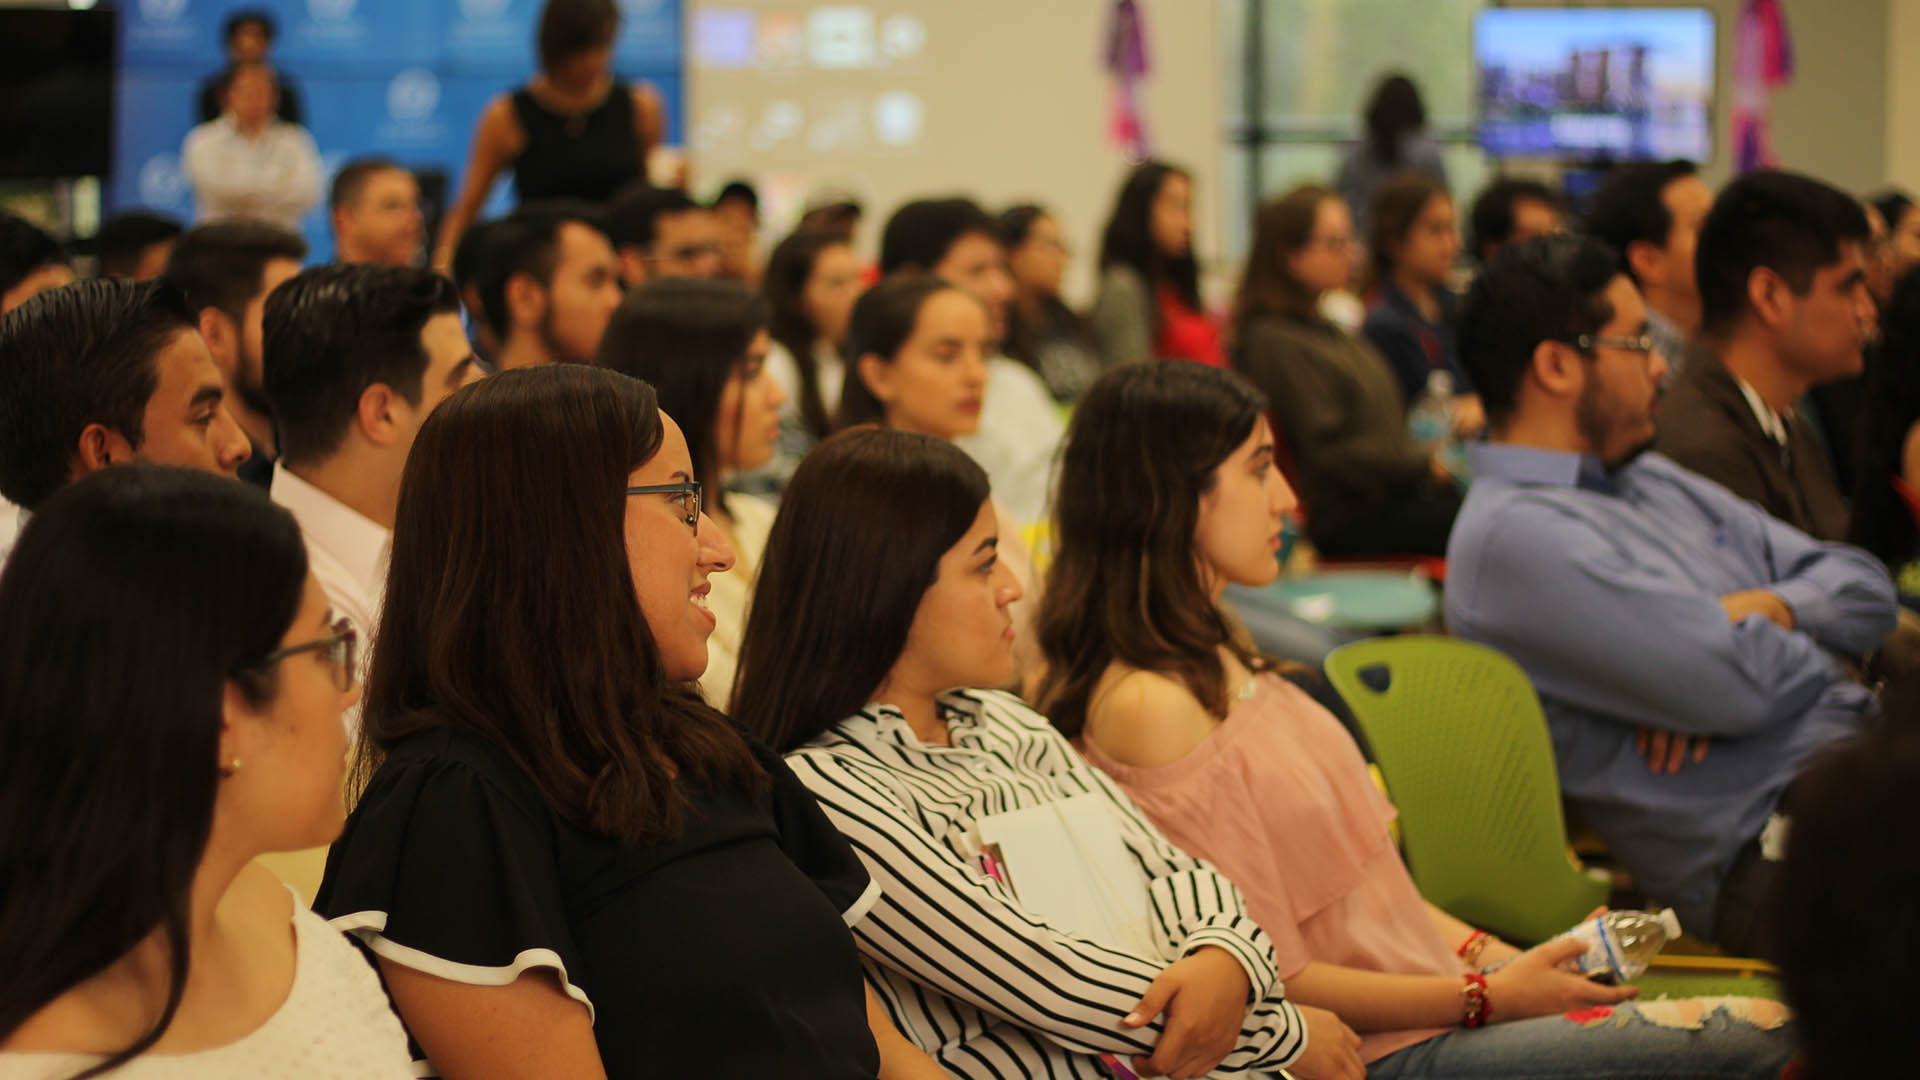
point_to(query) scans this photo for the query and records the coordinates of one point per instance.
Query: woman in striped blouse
(883, 558)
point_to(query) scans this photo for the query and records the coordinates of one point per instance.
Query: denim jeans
(1554, 1047)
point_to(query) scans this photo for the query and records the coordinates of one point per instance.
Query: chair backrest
(1458, 733)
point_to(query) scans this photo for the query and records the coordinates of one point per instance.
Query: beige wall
(1903, 93)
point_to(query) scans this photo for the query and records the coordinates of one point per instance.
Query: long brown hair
(510, 611)
(1125, 582)
(1282, 229)
(862, 527)
(784, 284)
(1396, 206)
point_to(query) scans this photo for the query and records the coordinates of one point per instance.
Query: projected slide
(1623, 84)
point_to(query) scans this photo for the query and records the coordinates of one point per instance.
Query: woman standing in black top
(573, 131)
(565, 863)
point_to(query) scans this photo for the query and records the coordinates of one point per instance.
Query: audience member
(248, 163)
(469, 257)
(1880, 275)
(357, 357)
(811, 283)
(1370, 489)
(140, 937)
(226, 270)
(542, 795)
(703, 346)
(662, 232)
(1650, 215)
(1881, 519)
(1042, 331)
(1168, 494)
(736, 210)
(1841, 874)
(135, 245)
(548, 281)
(871, 706)
(1784, 307)
(1653, 609)
(1395, 140)
(573, 131)
(248, 34)
(31, 262)
(1412, 247)
(376, 218)
(1509, 210)
(1148, 305)
(1018, 427)
(106, 372)
(1902, 216)
(835, 210)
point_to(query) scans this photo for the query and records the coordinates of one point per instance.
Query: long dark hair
(511, 614)
(686, 337)
(1013, 228)
(784, 284)
(134, 596)
(1393, 112)
(1396, 206)
(882, 324)
(1881, 522)
(1125, 582)
(858, 541)
(1128, 238)
(1282, 230)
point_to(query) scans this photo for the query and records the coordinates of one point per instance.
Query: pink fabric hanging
(1762, 63)
(1126, 60)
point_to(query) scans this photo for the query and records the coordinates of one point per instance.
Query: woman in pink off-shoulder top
(1167, 493)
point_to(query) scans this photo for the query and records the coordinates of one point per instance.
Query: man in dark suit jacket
(1784, 307)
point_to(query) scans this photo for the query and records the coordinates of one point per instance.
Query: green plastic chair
(1462, 743)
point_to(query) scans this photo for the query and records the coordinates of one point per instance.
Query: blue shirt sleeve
(1598, 632)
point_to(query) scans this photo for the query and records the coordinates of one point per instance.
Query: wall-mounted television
(56, 92)
(1595, 84)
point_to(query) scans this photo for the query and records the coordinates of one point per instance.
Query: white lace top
(336, 1024)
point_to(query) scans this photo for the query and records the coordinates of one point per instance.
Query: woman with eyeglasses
(170, 703)
(703, 345)
(564, 862)
(1367, 487)
(1042, 331)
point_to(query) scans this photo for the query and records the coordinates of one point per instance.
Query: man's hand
(1333, 1050)
(1666, 752)
(1205, 999)
(1763, 602)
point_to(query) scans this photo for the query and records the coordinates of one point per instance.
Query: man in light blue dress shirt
(1692, 654)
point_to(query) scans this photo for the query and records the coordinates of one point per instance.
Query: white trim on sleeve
(859, 908)
(367, 926)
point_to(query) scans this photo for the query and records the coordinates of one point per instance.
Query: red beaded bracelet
(1479, 1010)
(1471, 948)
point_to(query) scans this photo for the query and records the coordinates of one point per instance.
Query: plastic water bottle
(1430, 421)
(1620, 944)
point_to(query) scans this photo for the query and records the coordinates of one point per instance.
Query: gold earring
(230, 768)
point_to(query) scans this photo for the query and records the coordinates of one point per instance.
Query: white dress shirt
(273, 176)
(347, 553)
(1020, 428)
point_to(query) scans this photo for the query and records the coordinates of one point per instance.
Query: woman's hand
(1205, 999)
(1333, 1050)
(1536, 985)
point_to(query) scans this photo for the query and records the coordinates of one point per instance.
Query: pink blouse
(1279, 798)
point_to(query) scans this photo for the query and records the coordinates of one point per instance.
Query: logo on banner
(413, 97)
(162, 11)
(161, 184)
(330, 11)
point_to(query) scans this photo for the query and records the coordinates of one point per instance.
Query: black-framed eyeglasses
(1640, 343)
(338, 649)
(691, 494)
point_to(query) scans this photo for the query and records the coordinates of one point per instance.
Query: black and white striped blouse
(967, 973)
